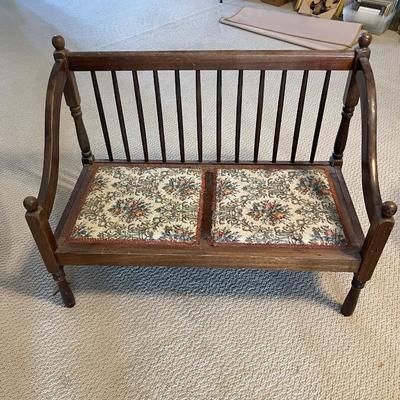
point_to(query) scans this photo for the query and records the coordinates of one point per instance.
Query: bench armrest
(370, 183)
(48, 185)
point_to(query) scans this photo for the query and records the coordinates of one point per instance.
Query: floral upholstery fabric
(138, 203)
(275, 206)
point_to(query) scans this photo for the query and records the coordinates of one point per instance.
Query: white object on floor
(313, 33)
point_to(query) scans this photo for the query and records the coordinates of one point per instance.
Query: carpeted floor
(165, 333)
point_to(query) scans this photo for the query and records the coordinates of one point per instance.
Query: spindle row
(199, 116)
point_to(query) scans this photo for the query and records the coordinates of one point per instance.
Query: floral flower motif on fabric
(139, 203)
(275, 206)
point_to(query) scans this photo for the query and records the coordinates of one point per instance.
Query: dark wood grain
(160, 119)
(380, 214)
(299, 116)
(199, 117)
(351, 300)
(227, 163)
(40, 228)
(207, 206)
(139, 107)
(73, 100)
(350, 100)
(48, 185)
(260, 103)
(219, 114)
(64, 288)
(41, 231)
(211, 60)
(121, 119)
(238, 115)
(350, 218)
(300, 260)
(178, 97)
(375, 241)
(370, 182)
(75, 194)
(102, 116)
(279, 112)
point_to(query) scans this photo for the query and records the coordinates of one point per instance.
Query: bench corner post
(350, 100)
(371, 251)
(73, 100)
(46, 243)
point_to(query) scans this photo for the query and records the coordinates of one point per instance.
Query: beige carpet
(149, 333)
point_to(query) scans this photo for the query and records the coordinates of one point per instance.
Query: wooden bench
(216, 213)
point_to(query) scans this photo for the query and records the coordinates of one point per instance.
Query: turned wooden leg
(375, 241)
(65, 291)
(350, 302)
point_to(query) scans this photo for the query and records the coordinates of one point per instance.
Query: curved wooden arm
(48, 185)
(370, 183)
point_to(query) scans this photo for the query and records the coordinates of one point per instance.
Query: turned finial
(60, 51)
(58, 42)
(389, 208)
(31, 203)
(364, 40)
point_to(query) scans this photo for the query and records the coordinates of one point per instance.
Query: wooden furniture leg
(65, 291)
(372, 249)
(351, 300)
(46, 243)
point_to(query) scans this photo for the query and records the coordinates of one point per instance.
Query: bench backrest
(218, 61)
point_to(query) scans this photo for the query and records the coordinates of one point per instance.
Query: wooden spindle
(73, 100)
(320, 115)
(278, 122)
(139, 107)
(238, 114)
(180, 117)
(350, 100)
(159, 115)
(299, 116)
(219, 114)
(199, 117)
(259, 115)
(120, 115)
(100, 109)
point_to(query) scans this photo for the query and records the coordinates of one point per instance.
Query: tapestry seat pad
(256, 206)
(276, 207)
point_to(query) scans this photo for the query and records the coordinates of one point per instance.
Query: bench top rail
(211, 60)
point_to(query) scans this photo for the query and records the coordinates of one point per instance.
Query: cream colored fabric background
(154, 333)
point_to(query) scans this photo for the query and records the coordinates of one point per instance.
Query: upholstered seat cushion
(258, 206)
(275, 207)
(140, 203)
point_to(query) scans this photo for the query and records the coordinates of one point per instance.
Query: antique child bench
(215, 213)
